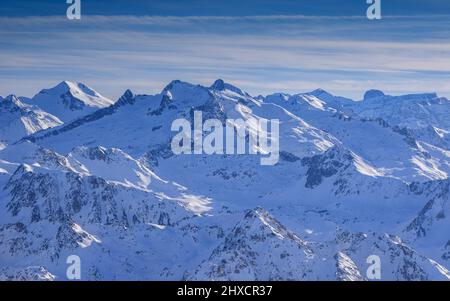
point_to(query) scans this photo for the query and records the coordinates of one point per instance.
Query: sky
(262, 46)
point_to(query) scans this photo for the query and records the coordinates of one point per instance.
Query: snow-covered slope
(260, 248)
(70, 100)
(412, 155)
(426, 229)
(411, 111)
(353, 179)
(18, 120)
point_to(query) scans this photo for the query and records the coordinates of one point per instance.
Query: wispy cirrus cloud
(261, 54)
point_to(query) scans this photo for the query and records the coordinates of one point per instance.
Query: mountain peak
(318, 92)
(18, 119)
(78, 90)
(70, 100)
(220, 85)
(126, 98)
(173, 84)
(64, 87)
(371, 94)
(11, 98)
(11, 102)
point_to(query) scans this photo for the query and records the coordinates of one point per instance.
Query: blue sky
(262, 46)
(222, 7)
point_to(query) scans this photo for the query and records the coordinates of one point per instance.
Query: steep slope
(18, 120)
(141, 128)
(398, 260)
(428, 228)
(260, 247)
(152, 116)
(422, 116)
(106, 186)
(366, 167)
(413, 111)
(411, 155)
(58, 207)
(32, 273)
(70, 100)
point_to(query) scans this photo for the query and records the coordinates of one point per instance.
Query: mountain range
(83, 175)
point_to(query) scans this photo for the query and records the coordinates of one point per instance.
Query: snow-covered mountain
(354, 179)
(18, 120)
(70, 100)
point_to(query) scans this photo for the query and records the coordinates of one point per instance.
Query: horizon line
(439, 95)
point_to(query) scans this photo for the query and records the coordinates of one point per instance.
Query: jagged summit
(11, 102)
(127, 98)
(220, 85)
(10, 98)
(174, 84)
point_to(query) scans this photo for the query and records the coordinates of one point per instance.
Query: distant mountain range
(84, 175)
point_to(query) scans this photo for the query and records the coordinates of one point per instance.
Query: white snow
(354, 179)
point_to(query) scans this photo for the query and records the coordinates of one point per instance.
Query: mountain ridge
(354, 179)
